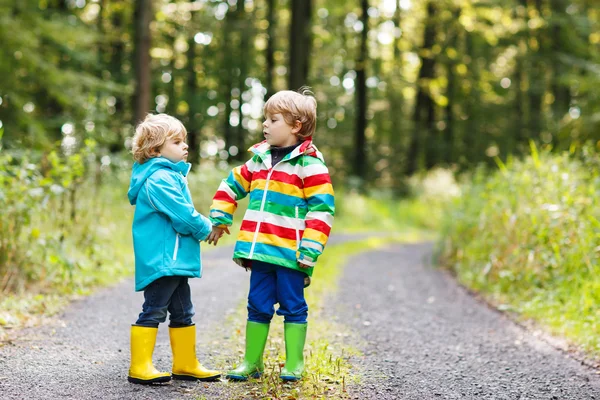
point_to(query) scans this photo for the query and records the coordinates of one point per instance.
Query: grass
(526, 237)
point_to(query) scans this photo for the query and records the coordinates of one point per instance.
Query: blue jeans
(169, 293)
(270, 284)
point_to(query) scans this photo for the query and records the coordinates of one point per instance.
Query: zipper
(297, 232)
(176, 247)
(262, 207)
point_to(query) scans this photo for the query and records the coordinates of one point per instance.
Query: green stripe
(274, 260)
(305, 160)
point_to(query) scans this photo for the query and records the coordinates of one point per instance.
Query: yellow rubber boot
(185, 363)
(142, 370)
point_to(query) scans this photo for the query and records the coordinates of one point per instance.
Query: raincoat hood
(141, 172)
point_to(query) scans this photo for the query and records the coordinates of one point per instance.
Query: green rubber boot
(252, 366)
(295, 336)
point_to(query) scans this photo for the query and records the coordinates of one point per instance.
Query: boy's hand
(215, 234)
(303, 265)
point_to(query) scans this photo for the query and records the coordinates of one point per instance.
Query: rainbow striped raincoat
(290, 211)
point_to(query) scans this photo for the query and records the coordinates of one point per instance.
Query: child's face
(174, 149)
(278, 133)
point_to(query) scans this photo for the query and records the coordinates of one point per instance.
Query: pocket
(176, 249)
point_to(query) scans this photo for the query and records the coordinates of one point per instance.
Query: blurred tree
(300, 43)
(270, 49)
(422, 141)
(142, 17)
(360, 139)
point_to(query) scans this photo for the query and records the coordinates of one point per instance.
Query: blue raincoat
(167, 229)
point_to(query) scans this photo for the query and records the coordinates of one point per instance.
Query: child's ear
(297, 126)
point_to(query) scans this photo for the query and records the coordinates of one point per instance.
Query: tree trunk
(245, 38)
(360, 141)
(521, 124)
(227, 72)
(117, 57)
(560, 90)
(300, 43)
(396, 116)
(423, 115)
(537, 84)
(141, 61)
(448, 155)
(193, 106)
(270, 51)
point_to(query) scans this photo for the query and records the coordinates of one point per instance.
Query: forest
(403, 87)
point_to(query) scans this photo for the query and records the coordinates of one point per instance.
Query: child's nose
(265, 123)
(185, 146)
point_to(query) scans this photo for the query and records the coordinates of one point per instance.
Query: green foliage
(527, 237)
(49, 225)
(382, 212)
(47, 73)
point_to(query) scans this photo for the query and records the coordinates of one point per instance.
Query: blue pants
(169, 293)
(270, 284)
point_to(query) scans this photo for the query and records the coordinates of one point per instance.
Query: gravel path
(84, 353)
(422, 337)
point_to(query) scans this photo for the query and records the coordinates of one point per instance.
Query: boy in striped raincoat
(284, 230)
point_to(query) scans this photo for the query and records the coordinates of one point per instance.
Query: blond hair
(152, 133)
(295, 106)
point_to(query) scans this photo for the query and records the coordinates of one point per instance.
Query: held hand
(304, 266)
(215, 235)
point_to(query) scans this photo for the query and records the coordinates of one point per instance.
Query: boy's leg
(261, 301)
(290, 295)
(157, 296)
(292, 305)
(262, 295)
(183, 337)
(181, 309)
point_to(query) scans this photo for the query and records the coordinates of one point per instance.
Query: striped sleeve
(319, 195)
(235, 187)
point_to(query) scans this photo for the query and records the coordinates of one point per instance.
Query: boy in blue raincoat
(167, 231)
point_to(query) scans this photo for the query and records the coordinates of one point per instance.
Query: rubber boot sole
(286, 378)
(160, 379)
(242, 378)
(194, 378)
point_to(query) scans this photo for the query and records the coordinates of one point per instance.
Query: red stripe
(279, 176)
(261, 174)
(318, 225)
(286, 233)
(315, 180)
(249, 226)
(223, 196)
(244, 172)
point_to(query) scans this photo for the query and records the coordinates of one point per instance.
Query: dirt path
(422, 337)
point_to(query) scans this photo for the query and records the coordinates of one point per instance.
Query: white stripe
(225, 187)
(321, 216)
(307, 244)
(217, 214)
(253, 166)
(315, 169)
(176, 247)
(274, 219)
(286, 167)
